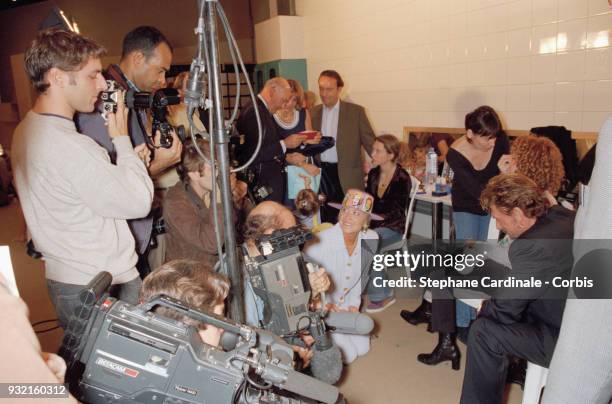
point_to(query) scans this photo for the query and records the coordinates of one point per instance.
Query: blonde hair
(298, 92)
(408, 151)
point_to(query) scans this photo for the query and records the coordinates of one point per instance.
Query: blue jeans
(387, 236)
(378, 294)
(65, 296)
(469, 226)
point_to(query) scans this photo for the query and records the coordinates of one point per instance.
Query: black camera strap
(114, 72)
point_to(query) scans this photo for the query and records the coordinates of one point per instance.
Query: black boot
(421, 315)
(446, 350)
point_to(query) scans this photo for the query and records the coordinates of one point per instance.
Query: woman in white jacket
(340, 250)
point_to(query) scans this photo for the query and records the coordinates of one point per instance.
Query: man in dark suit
(522, 322)
(347, 123)
(269, 180)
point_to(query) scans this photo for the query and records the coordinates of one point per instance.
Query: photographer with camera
(74, 200)
(188, 210)
(145, 59)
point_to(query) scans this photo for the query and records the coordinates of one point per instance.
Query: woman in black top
(473, 158)
(390, 185)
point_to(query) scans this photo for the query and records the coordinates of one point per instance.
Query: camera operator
(264, 219)
(145, 59)
(188, 210)
(74, 200)
(195, 284)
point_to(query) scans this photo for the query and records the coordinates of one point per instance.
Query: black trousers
(489, 345)
(443, 300)
(331, 187)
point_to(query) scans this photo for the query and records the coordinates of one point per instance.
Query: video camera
(123, 353)
(279, 276)
(157, 102)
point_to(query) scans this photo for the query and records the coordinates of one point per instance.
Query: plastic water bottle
(431, 167)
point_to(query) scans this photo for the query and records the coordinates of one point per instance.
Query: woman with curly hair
(540, 160)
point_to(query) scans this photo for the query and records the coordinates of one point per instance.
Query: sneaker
(375, 307)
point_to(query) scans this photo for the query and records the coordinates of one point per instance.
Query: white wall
(280, 37)
(428, 62)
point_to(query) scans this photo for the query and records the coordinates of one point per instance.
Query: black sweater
(392, 205)
(468, 183)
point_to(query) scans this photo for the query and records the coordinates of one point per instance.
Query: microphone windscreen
(350, 323)
(327, 365)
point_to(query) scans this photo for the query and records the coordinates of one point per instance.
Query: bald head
(267, 217)
(276, 92)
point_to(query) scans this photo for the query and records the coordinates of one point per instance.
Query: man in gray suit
(348, 124)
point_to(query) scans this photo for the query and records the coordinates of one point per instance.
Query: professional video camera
(158, 102)
(116, 352)
(279, 276)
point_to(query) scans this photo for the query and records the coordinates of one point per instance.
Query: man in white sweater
(74, 200)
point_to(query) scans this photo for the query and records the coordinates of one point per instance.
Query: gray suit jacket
(354, 131)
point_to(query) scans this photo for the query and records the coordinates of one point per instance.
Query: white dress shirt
(329, 127)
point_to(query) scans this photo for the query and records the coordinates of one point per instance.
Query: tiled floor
(388, 374)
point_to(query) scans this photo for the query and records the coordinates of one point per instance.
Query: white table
(437, 203)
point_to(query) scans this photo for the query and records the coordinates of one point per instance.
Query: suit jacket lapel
(342, 123)
(317, 117)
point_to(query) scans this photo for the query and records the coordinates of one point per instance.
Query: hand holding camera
(143, 153)
(165, 157)
(117, 120)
